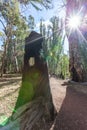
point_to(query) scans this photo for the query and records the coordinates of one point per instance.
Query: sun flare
(74, 22)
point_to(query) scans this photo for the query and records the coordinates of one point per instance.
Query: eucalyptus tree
(76, 28)
(14, 28)
(53, 45)
(57, 46)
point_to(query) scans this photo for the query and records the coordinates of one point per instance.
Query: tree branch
(3, 26)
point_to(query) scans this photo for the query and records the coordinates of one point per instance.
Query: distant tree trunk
(77, 70)
(16, 66)
(3, 69)
(35, 89)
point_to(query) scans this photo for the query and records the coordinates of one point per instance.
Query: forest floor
(70, 101)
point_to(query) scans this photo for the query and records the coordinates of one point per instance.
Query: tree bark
(35, 89)
(3, 68)
(77, 70)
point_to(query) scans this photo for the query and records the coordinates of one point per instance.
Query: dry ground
(9, 88)
(70, 100)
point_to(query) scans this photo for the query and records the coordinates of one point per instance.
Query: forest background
(18, 19)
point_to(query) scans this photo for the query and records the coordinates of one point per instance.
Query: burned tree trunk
(35, 100)
(77, 39)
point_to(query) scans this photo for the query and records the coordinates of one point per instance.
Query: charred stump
(35, 100)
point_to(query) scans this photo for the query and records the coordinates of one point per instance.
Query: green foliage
(46, 3)
(15, 31)
(53, 47)
(16, 28)
(1, 34)
(64, 66)
(31, 22)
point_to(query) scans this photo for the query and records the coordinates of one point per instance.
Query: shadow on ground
(9, 82)
(73, 112)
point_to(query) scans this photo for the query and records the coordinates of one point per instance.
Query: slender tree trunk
(16, 66)
(3, 60)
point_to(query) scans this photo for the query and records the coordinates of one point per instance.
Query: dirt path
(72, 110)
(71, 104)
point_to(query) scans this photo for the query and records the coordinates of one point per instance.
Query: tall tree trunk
(3, 69)
(77, 70)
(16, 66)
